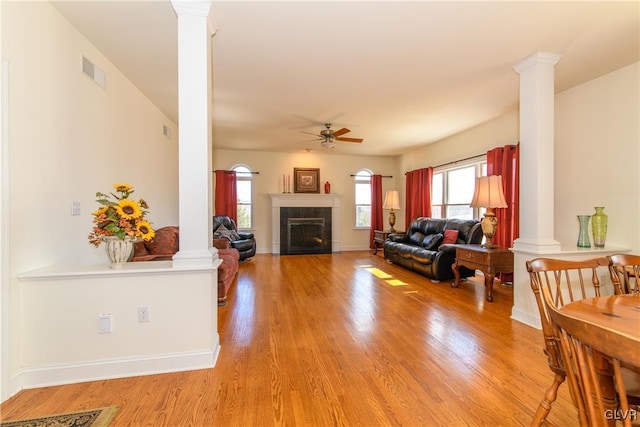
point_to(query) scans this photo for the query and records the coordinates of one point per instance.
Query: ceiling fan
(328, 137)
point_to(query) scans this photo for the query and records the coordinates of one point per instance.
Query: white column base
(195, 259)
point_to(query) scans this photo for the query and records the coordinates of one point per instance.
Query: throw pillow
(432, 241)
(450, 237)
(223, 231)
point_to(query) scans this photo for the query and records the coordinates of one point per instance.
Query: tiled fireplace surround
(280, 200)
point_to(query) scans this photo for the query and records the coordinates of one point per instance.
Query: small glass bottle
(599, 227)
(583, 236)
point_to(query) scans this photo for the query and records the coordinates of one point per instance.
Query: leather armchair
(225, 227)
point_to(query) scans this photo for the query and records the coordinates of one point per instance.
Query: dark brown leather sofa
(420, 249)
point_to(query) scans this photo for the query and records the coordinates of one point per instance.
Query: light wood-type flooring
(339, 340)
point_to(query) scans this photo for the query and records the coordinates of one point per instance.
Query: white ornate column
(194, 151)
(537, 187)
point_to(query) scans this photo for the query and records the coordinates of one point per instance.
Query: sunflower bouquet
(120, 216)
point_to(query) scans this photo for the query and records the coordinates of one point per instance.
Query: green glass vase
(583, 236)
(599, 227)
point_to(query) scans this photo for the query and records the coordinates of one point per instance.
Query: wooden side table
(379, 236)
(488, 260)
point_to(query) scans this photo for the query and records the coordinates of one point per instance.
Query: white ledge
(95, 270)
(574, 250)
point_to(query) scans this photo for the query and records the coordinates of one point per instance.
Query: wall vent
(93, 72)
(166, 131)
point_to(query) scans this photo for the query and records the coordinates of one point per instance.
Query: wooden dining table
(619, 314)
(615, 314)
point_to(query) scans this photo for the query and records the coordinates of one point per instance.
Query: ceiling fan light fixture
(328, 144)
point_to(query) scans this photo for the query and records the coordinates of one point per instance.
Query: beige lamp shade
(489, 193)
(391, 200)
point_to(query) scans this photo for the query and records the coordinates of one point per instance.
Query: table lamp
(489, 194)
(392, 202)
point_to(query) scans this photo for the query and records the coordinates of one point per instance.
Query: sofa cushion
(416, 238)
(450, 236)
(422, 256)
(432, 241)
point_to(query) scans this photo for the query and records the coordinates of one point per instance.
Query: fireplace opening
(305, 235)
(305, 231)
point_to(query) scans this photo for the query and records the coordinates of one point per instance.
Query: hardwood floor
(339, 340)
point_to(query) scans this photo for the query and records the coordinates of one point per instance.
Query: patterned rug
(100, 417)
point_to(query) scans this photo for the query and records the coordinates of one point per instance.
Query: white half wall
(61, 340)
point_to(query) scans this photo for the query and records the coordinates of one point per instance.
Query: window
(363, 199)
(452, 191)
(244, 184)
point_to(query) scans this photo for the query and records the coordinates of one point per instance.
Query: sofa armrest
(449, 248)
(221, 243)
(245, 235)
(398, 238)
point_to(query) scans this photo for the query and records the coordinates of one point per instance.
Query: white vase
(118, 250)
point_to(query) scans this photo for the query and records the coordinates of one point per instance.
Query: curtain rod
(461, 160)
(384, 176)
(251, 172)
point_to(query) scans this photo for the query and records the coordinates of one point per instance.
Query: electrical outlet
(143, 313)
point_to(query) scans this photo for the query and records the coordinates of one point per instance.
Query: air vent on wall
(95, 73)
(166, 131)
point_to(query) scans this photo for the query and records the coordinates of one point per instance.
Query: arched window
(244, 184)
(363, 198)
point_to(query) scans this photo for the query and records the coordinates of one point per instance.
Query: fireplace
(305, 230)
(314, 220)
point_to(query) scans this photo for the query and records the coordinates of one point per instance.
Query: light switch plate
(75, 208)
(104, 323)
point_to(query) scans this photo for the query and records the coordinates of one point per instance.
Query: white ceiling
(398, 74)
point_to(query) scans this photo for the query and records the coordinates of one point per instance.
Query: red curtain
(376, 207)
(417, 194)
(505, 161)
(226, 197)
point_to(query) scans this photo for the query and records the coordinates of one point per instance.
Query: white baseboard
(68, 373)
(526, 318)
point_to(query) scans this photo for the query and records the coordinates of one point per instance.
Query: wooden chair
(565, 281)
(585, 348)
(625, 272)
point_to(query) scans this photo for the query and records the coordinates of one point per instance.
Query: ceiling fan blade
(350, 139)
(340, 132)
(314, 134)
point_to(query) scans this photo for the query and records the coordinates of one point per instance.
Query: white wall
(334, 168)
(478, 140)
(69, 138)
(597, 151)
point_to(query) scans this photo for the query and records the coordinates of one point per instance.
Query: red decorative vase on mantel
(327, 188)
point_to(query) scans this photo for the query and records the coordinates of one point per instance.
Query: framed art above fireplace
(306, 180)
